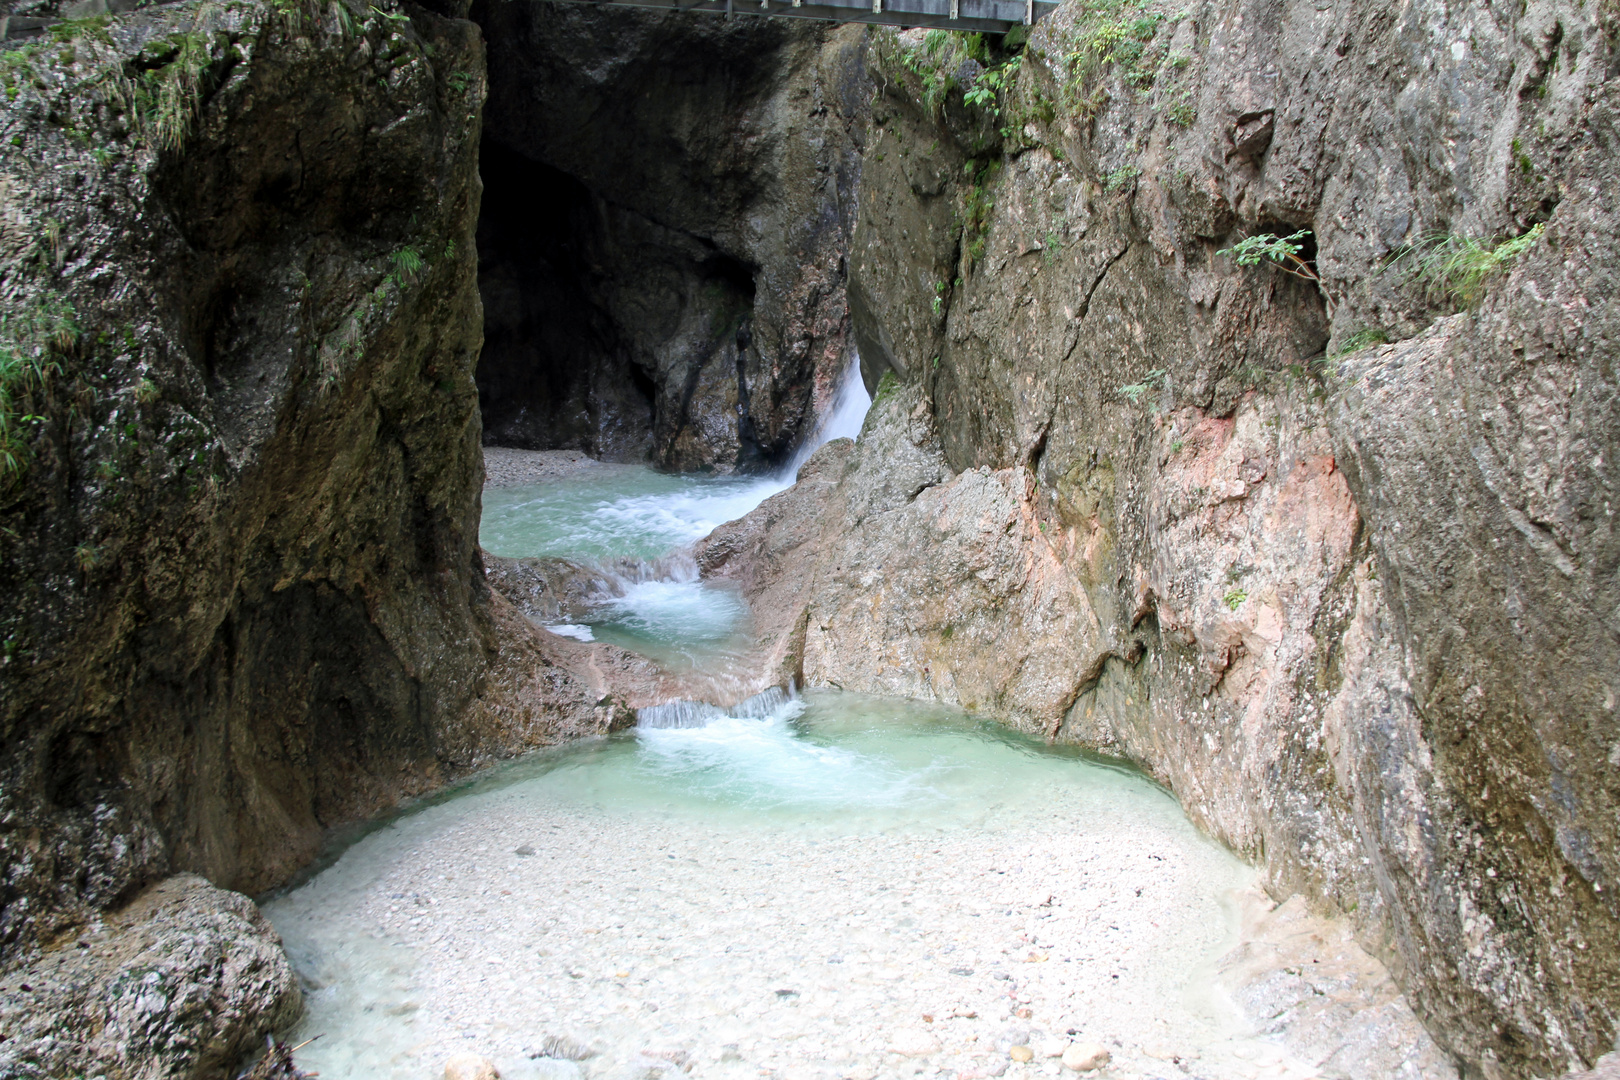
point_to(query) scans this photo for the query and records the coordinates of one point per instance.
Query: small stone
(914, 1043)
(524, 851)
(1083, 1056)
(470, 1067)
(560, 1046)
(1022, 1053)
(1051, 1048)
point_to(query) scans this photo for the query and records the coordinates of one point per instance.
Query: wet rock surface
(667, 206)
(182, 982)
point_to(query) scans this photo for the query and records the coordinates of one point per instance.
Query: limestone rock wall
(1331, 554)
(243, 594)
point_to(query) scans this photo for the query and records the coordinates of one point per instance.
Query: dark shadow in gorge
(666, 210)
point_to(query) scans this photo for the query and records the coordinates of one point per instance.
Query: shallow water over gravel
(794, 896)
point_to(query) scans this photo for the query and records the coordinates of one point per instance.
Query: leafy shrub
(1269, 247)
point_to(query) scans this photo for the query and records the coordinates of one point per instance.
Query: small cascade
(696, 714)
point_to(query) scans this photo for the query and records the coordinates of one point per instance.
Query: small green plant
(407, 263)
(146, 392)
(942, 55)
(69, 29)
(1458, 268)
(1181, 111)
(1359, 340)
(31, 344)
(1176, 445)
(1051, 246)
(459, 81)
(50, 245)
(1151, 381)
(1120, 177)
(88, 556)
(978, 204)
(164, 97)
(939, 296)
(1111, 32)
(988, 87)
(1234, 599)
(344, 19)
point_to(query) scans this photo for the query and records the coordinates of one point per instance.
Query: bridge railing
(988, 16)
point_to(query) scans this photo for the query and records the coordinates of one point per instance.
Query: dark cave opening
(607, 332)
(655, 248)
(552, 374)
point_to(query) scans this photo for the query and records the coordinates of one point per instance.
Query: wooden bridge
(986, 16)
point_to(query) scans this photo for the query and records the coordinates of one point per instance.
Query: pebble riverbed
(872, 889)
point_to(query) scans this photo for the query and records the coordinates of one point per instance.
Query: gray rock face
(183, 982)
(244, 600)
(1357, 612)
(668, 203)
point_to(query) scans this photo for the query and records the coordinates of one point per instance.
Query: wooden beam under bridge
(985, 16)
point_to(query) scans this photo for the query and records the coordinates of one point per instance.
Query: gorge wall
(1332, 554)
(1334, 559)
(243, 594)
(668, 203)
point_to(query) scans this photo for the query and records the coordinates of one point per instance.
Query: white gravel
(662, 937)
(505, 466)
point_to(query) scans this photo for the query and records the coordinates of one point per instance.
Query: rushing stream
(826, 885)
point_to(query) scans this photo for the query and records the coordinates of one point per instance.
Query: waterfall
(850, 403)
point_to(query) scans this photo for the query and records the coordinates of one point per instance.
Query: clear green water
(615, 511)
(829, 760)
(387, 932)
(509, 908)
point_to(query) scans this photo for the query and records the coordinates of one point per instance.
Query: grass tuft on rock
(1458, 269)
(31, 344)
